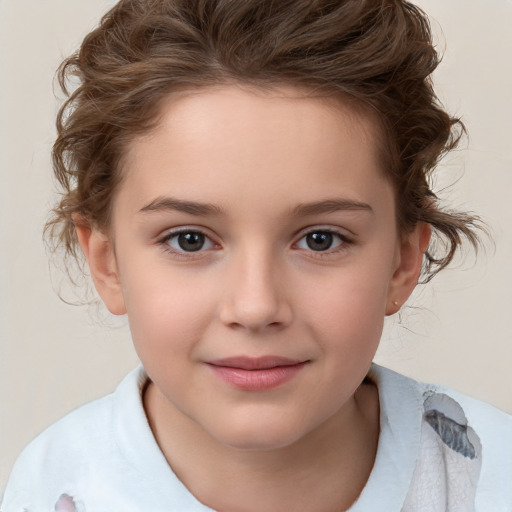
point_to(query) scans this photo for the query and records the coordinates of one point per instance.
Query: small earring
(395, 302)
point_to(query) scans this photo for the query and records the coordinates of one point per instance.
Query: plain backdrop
(456, 331)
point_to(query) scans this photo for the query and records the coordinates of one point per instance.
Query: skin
(264, 163)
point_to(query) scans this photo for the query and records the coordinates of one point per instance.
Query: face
(254, 248)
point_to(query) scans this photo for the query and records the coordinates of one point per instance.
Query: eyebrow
(330, 206)
(162, 204)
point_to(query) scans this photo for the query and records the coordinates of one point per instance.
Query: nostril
(254, 304)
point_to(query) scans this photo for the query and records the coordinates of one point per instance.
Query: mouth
(256, 374)
(255, 363)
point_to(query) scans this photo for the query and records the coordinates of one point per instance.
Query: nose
(255, 296)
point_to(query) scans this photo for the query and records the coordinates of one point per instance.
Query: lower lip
(257, 380)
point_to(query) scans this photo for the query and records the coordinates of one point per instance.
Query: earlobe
(407, 272)
(100, 256)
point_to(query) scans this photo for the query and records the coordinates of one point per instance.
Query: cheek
(166, 311)
(349, 307)
(351, 324)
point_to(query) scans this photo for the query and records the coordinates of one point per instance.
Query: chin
(257, 443)
(259, 436)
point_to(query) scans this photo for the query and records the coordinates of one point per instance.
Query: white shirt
(438, 451)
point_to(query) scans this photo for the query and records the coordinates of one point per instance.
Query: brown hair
(378, 52)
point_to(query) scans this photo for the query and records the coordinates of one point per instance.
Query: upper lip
(255, 363)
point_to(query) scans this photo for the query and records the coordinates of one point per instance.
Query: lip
(256, 374)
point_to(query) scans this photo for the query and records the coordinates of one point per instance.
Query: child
(249, 183)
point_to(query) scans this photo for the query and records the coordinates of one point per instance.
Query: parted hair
(379, 53)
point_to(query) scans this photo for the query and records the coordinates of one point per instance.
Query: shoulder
(492, 430)
(394, 385)
(69, 452)
(103, 456)
(467, 440)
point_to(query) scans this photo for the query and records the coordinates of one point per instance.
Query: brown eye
(189, 241)
(320, 241)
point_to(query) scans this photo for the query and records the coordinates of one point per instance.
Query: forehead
(284, 144)
(265, 112)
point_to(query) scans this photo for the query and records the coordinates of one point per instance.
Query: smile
(256, 374)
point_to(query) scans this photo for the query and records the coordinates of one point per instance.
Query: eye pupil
(320, 241)
(191, 242)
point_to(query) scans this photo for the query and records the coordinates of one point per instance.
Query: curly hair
(378, 52)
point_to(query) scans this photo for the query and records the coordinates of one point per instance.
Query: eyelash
(344, 242)
(164, 242)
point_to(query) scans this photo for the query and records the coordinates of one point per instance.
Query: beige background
(55, 357)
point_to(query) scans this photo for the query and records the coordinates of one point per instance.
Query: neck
(324, 471)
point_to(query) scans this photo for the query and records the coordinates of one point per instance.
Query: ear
(407, 272)
(100, 256)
